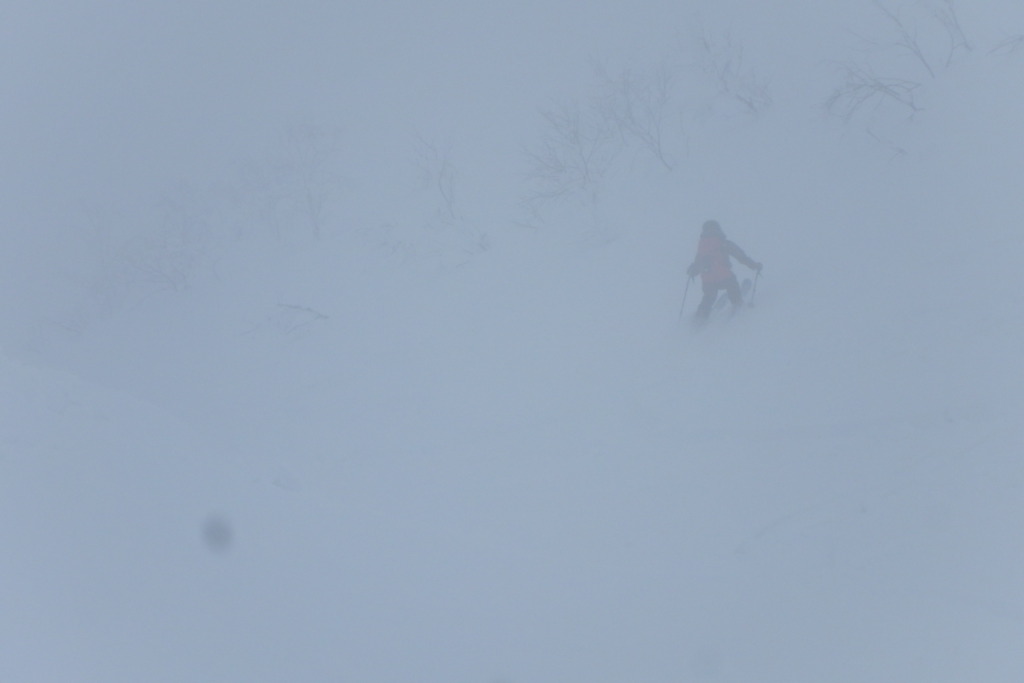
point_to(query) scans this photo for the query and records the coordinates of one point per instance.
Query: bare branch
(438, 171)
(895, 149)
(638, 107)
(573, 155)
(724, 63)
(861, 87)
(908, 40)
(946, 16)
(312, 150)
(1008, 46)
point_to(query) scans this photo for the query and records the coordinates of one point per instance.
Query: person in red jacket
(714, 266)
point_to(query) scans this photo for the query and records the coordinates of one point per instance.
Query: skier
(713, 265)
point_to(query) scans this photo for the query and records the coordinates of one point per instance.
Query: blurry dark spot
(217, 533)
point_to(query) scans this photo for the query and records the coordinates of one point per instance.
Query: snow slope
(524, 470)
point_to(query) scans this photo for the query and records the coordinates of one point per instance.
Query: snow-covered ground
(335, 461)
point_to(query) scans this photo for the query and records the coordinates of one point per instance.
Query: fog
(353, 341)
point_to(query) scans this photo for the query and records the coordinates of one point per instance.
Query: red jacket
(712, 262)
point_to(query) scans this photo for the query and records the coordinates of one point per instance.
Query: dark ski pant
(711, 290)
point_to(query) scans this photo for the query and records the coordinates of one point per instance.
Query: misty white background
(304, 379)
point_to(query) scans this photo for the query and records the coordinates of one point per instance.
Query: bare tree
(638, 106)
(289, 188)
(723, 62)
(575, 153)
(170, 255)
(911, 37)
(438, 173)
(311, 152)
(861, 87)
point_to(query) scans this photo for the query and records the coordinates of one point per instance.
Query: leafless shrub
(287, 191)
(723, 61)
(438, 173)
(861, 88)
(919, 37)
(575, 153)
(311, 151)
(443, 234)
(638, 106)
(170, 255)
(906, 40)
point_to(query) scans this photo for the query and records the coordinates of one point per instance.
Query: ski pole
(685, 292)
(753, 290)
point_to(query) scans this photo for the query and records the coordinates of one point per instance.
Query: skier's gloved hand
(693, 270)
(758, 266)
